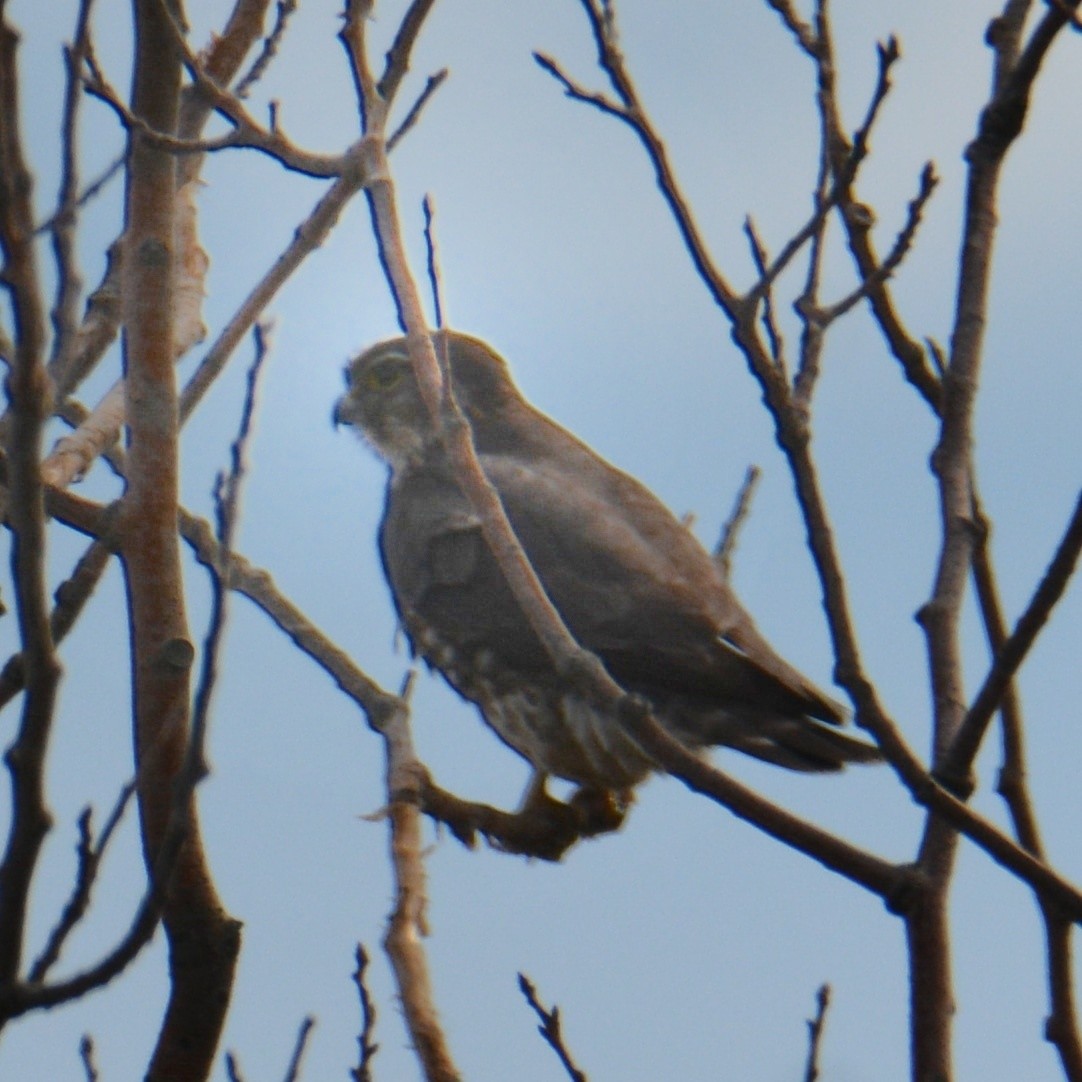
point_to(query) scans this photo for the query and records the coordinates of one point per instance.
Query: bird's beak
(340, 415)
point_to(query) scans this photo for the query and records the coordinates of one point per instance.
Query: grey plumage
(632, 584)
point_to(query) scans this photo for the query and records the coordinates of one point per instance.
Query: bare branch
(629, 110)
(246, 133)
(1013, 652)
(71, 596)
(726, 546)
(408, 923)
(90, 854)
(898, 885)
(232, 1068)
(258, 586)
(815, 1033)
(94, 188)
(1068, 11)
(269, 50)
(74, 454)
(1061, 1027)
(550, 1028)
(366, 1048)
(898, 252)
(857, 221)
(804, 34)
(760, 258)
(304, 1031)
(227, 502)
(398, 56)
(308, 236)
(64, 219)
(429, 211)
(203, 940)
(98, 331)
(86, 1054)
(30, 395)
(415, 110)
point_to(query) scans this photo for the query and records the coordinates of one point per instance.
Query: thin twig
(760, 258)
(304, 1031)
(91, 190)
(86, 1055)
(629, 111)
(414, 114)
(269, 50)
(227, 503)
(90, 855)
(730, 532)
(550, 1028)
(246, 132)
(902, 244)
(69, 283)
(29, 394)
(232, 1068)
(366, 1047)
(71, 597)
(98, 331)
(803, 33)
(815, 1033)
(429, 211)
(307, 237)
(1009, 659)
(855, 219)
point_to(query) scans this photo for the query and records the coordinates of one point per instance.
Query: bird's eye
(383, 378)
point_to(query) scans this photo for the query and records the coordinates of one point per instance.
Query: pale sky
(689, 945)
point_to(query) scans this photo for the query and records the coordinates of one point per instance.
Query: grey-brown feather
(630, 581)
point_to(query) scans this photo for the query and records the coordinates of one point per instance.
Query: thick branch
(203, 940)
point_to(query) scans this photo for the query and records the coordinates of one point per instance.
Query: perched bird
(630, 581)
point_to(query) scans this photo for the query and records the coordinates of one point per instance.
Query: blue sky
(689, 945)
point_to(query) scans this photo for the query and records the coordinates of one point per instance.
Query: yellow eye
(383, 377)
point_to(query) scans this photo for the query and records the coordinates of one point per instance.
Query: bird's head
(383, 402)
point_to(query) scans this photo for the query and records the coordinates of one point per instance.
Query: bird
(630, 581)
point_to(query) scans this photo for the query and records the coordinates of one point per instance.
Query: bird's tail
(797, 743)
(804, 744)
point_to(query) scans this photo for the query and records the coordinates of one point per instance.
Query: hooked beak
(340, 414)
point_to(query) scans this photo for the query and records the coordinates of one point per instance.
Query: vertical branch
(408, 922)
(29, 392)
(1000, 124)
(65, 323)
(203, 941)
(405, 775)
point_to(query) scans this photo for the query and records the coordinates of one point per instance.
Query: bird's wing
(443, 577)
(635, 587)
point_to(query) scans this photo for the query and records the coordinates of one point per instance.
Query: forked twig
(89, 853)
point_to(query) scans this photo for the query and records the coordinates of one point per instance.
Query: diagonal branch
(550, 1028)
(1013, 652)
